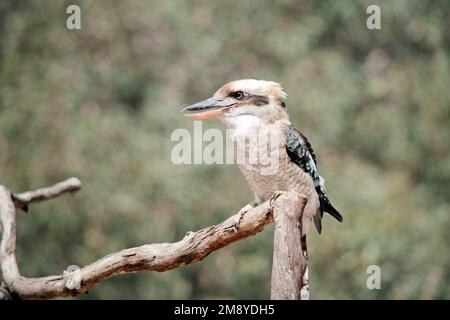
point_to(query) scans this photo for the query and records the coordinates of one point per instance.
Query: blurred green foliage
(100, 104)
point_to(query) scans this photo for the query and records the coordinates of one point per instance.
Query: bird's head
(244, 100)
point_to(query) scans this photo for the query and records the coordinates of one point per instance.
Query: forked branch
(194, 247)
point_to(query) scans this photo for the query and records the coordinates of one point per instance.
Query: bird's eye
(238, 95)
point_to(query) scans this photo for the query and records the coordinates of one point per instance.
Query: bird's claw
(275, 196)
(239, 217)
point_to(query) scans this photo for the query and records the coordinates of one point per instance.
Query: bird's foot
(275, 196)
(240, 215)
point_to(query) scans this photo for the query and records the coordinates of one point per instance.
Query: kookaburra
(255, 108)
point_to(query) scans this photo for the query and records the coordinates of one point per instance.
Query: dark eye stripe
(258, 100)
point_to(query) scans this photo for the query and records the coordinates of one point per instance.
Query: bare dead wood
(194, 247)
(22, 200)
(290, 263)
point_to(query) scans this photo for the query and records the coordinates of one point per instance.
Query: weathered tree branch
(194, 247)
(290, 261)
(22, 200)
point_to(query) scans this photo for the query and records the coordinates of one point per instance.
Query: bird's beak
(209, 108)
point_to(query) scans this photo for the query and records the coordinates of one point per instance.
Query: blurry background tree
(100, 104)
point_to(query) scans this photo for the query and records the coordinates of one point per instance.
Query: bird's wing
(302, 154)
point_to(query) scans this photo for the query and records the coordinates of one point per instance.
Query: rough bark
(194, 247)
(153, 257)
(289, 266)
